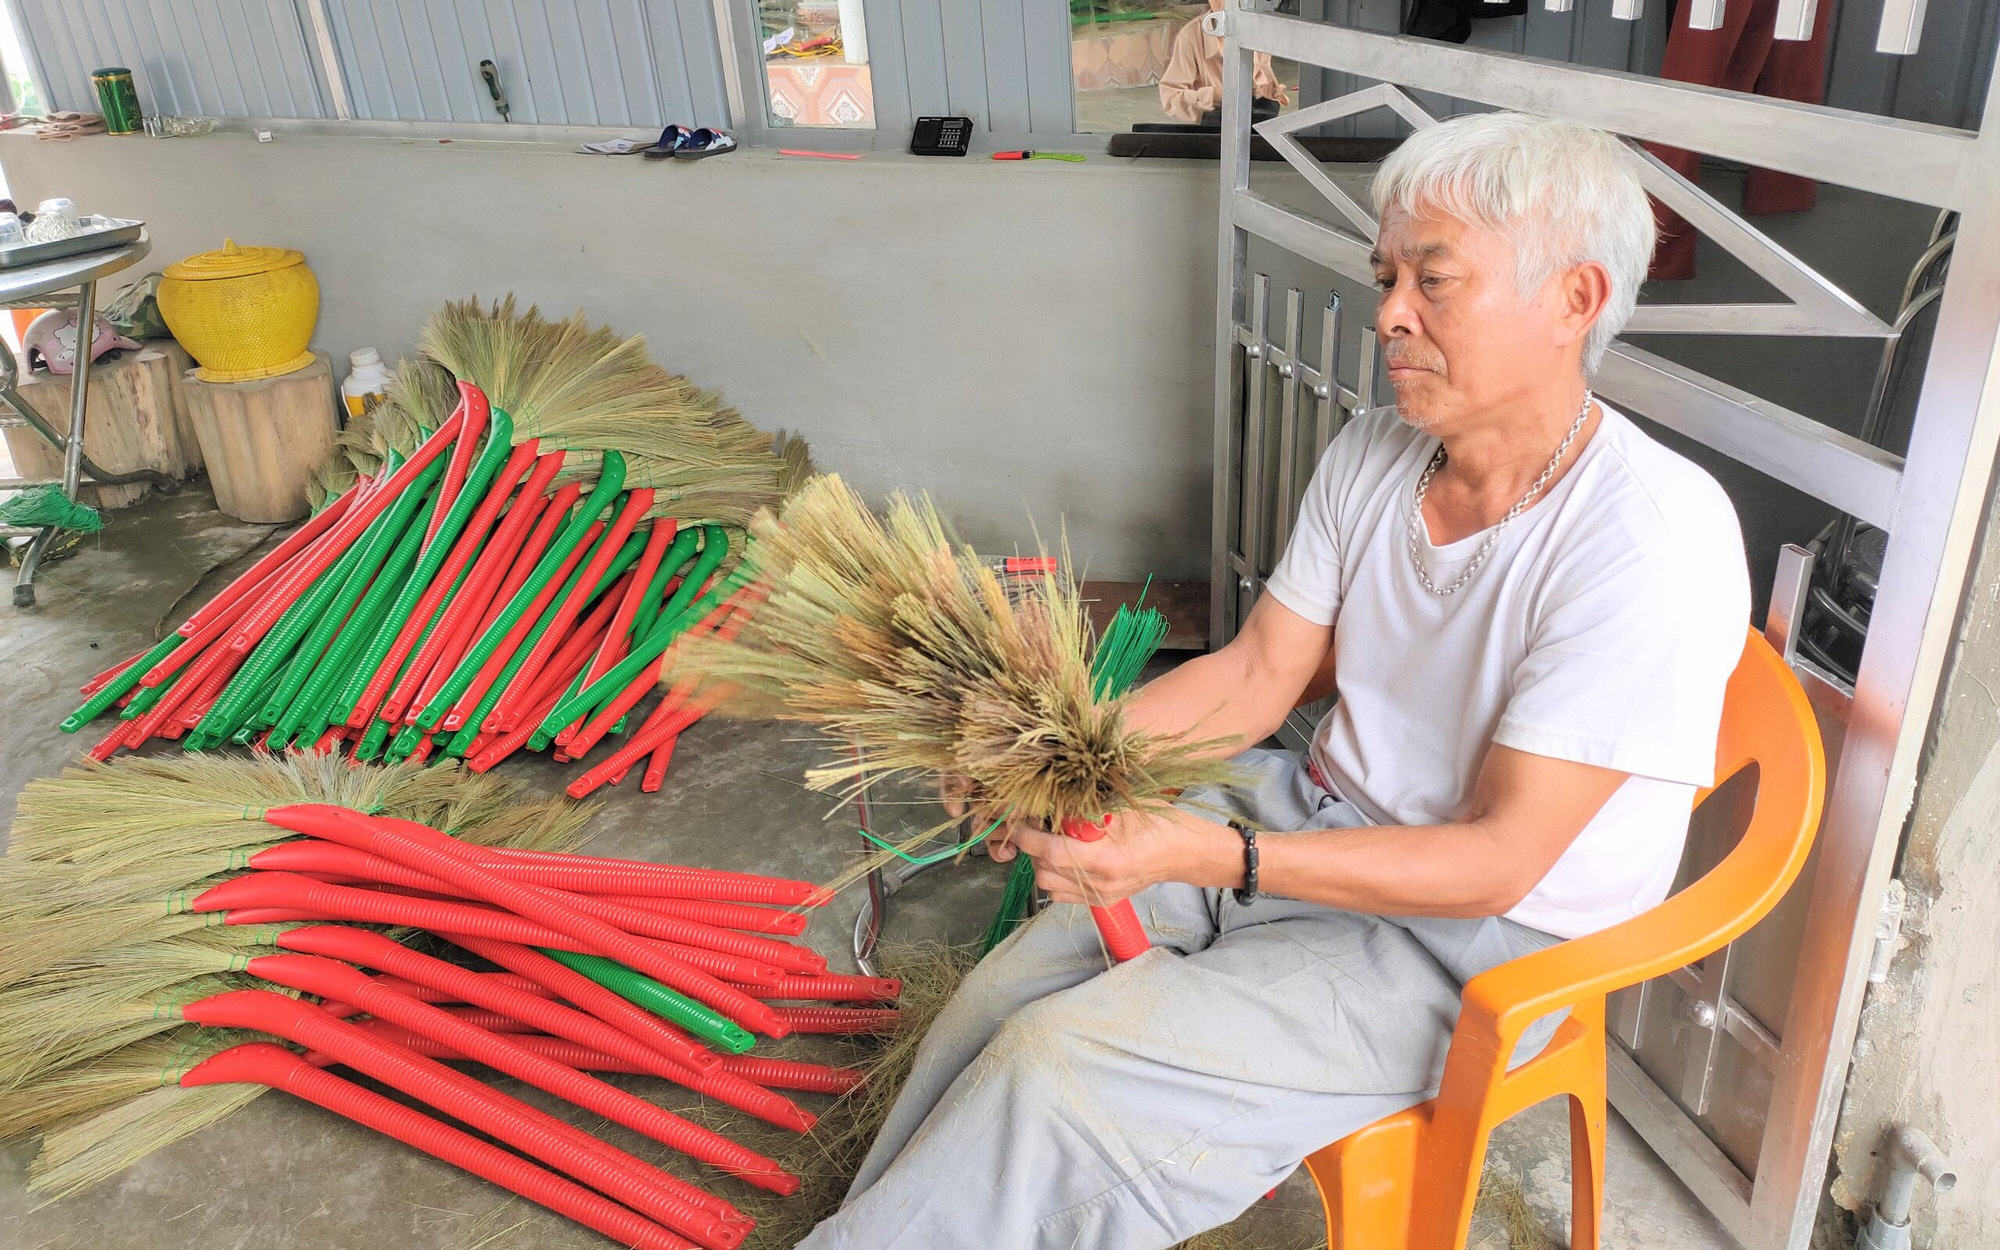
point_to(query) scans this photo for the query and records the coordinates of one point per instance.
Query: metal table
(22, 286)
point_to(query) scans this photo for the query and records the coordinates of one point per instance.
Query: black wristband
(1248, 892)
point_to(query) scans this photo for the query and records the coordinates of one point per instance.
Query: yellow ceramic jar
(243, 312)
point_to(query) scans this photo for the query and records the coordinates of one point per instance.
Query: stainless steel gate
(1770, 1021)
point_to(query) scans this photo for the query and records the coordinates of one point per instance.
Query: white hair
(1562, 193)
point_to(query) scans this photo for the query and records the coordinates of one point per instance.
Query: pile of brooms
(502, 556)
(178, 936)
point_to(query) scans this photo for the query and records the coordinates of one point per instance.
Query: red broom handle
(491, 753)
(473, 412)
(722, 915)
(489, 566)
(1124, 937)
(662, 878)
(582, 642)
(641, 742)
(841, 1019)
(494, 593)
(770, 1074)
(637, 504)
(217, 659)
(220, 625)
(723, 622)
(330, 978)
(103, 679)
(329, 857)
(656, 767)
(302, 572)
(536, 1133)
(415, 846)
(835, 988)
(497, 659)
(667, 1053)
(638, 1023)
(295, 542)
(261, 1063)
(462, 551)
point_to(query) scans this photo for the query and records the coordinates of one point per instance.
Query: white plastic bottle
(367, 385)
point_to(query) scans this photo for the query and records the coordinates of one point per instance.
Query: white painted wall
(1024, 339)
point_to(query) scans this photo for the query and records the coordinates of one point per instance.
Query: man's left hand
(1136, 851)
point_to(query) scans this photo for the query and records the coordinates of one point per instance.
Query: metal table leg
(79, 393)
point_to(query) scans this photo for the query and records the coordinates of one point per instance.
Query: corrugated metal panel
(1003, 63)
(574, 62)
(217, 58)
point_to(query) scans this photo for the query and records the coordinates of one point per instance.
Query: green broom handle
(337, 672)
(374, 548)
(611, 477)
(685, 543)
(234, 707)
(112, 691)
(371, 742)
(626, 555)
(436, 549)
(671, 1005)
(627, 669)
(712, 554)
(714, 550)
(143, 701)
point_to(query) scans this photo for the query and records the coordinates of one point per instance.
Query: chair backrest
(1766, 720)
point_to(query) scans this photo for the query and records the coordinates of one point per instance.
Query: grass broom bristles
(586, 390)
(888, 634)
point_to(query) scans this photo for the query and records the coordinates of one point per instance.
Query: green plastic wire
(935, 857)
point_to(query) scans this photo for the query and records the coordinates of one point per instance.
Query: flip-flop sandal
(706, 142)
(672, 140)
(617, 147)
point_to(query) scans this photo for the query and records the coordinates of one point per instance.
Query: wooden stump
(263, 439)
(137, 420)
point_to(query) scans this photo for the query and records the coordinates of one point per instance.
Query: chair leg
(1366, 1182)
(1586, 1163)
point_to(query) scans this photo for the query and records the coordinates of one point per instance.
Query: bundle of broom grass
(888, 634)
(483, 576)
(129, 1018)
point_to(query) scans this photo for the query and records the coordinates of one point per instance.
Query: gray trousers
(1060, 1105)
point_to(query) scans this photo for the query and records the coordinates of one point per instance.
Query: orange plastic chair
(1408, 1182)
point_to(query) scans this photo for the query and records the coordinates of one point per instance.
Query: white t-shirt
(1602, 629)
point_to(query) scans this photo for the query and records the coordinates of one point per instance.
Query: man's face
(1458, 339)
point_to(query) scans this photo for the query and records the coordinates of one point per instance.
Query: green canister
(118, 100)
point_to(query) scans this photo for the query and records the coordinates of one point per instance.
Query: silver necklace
(1492, 535)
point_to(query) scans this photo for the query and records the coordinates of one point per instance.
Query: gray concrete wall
(1027, 340)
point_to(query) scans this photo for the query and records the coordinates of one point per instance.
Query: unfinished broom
(886, 634)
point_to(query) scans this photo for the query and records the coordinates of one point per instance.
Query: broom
(1129, 640)
(888, 635)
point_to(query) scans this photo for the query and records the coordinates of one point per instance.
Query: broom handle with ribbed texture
(771, 1074)
(487, 666)
(535, 1133)
(329, 978)
(611, 476)
(252, 578)
(670, 1053)
(327, 857)
(667, 1053)
(647, 622)
(460, 529)
(501, 572)
(568, 664)
(261, 1063)
(570, 604)
(503, 668)
(442, 856)
(442, 572)
(1124, 937)
(473, 412)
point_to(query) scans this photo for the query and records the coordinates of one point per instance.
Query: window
(815, 58)
(1148, 62)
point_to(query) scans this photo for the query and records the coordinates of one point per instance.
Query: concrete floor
(281, 1175)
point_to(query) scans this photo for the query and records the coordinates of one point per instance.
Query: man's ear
(1584, 290)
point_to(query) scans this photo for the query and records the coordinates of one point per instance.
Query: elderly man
(1529, 610)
